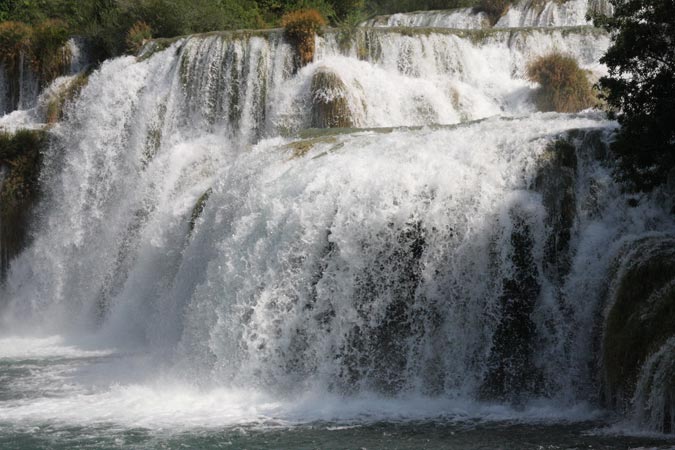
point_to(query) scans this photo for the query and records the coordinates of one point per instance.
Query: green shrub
(564, 85)
(300, 27)
(14, 39)
(345, 8)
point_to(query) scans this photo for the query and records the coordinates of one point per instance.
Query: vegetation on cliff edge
(641, 87)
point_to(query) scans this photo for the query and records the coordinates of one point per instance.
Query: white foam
(172, 406)
(25, 348)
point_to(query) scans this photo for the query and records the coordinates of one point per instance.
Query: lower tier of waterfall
(466, 264)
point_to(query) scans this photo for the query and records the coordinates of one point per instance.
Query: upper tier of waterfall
(524, 13)
(246, 85)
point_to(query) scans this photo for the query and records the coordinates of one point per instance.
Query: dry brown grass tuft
(300, 27)
(564, 85)
(137, 36)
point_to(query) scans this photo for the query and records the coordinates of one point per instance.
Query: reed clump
(137, 36)
(300, 28)
(564, 85)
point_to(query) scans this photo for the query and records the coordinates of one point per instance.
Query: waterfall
(464, 18)
(18, 92)
(553, 13)
(523, 13)
(456, 245)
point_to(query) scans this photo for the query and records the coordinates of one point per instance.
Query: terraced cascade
(523, 13)
(226, 246)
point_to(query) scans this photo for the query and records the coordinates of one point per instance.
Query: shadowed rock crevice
(556, 181)
(511, 370)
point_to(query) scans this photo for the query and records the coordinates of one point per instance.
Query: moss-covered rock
(55, 107)
(640, 321)
(20, 160)
(330, 101)
(199, 209)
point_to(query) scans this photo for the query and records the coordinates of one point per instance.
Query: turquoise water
(412, 435)
(53, 396)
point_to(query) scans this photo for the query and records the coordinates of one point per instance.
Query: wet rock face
(377, 354)
(511, 369)
(20, 162)
(330, 103)
(638, 368)
(556, 182)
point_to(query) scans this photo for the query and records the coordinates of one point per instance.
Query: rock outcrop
(330, 102)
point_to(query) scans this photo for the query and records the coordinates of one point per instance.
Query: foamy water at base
(54, 394)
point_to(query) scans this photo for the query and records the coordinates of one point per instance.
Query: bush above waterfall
(50, 56)
(42, 44)
(137, 35)
(564, 85)
(14, 38)
(300, 27)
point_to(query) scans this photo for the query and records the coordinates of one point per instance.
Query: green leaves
(641, 86)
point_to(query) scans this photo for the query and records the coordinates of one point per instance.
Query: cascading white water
(524, 13)
(20, 93)
(463, 18)
(436, 77)
(554, 13)
(182, 220)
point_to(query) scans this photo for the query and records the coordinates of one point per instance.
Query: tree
(641, 88)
